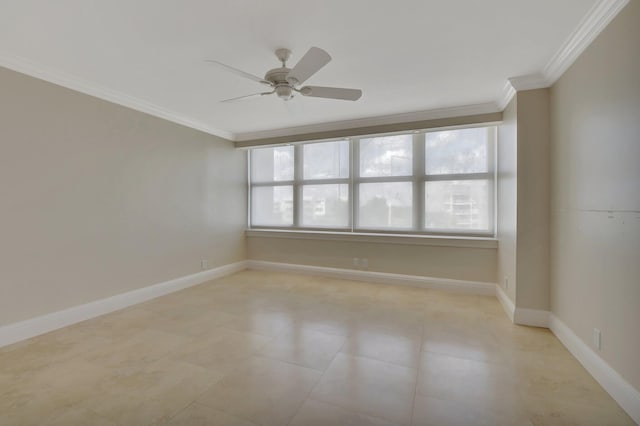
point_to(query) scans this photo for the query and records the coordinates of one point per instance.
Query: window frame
(418, 178)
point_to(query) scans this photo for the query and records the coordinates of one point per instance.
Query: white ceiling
(407, 56)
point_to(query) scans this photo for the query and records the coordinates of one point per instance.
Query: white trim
(470, 287)
(506, 302)
(598, 17)
(69, 81)
(531, 317)
(26, 329)
(409, 117)
(624, 393)
(528, 82)
(508, 92)
(422, 240)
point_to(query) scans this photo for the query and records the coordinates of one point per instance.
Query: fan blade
(239, 72)
(308, 65)
(247, 96)
(331, 93)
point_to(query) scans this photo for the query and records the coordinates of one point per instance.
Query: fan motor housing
(277, 75)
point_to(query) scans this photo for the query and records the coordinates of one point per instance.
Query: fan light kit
(285, 82)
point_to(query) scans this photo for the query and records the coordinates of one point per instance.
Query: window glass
(376, 189)
(457, 205)
(272, 164)
(386, 156)
(456, 151)
(326, 160)
(325, 205)
(386, 205)
(272, 205)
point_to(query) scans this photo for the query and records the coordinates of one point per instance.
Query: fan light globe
(284, 92)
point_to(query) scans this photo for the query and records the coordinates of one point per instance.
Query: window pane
(272, 164)
(457, 204)
(386, 205)
(325, 205)
(272, 205)
(386, 156)
(326, 160)
(456, 151)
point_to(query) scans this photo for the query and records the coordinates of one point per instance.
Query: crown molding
(69, 81)
(598, 17)
(528, 82)
(508, 92)
(383, 120)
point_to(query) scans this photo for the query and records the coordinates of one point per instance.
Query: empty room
(421, 212)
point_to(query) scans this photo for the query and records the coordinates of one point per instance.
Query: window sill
(419, 240)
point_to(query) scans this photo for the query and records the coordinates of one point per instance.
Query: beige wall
(523, 200)
(97, 199)
(507, 199)
(595, 209)
(532, 261)
(462, 263)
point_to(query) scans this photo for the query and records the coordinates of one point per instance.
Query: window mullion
(355, 180)
(298, 164)
(249, 189)
(418, 180)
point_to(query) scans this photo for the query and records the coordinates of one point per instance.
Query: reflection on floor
(282, 349)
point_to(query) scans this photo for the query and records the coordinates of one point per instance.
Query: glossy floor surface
(264, 348)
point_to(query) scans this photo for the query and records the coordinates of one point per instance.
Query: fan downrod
(283, 55)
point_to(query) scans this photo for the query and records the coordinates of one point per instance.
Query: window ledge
(419, 240)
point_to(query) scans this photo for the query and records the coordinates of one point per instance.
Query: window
(439, 182)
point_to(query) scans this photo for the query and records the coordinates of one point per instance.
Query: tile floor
(264, 348)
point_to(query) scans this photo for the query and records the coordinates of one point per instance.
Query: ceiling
(408, 57)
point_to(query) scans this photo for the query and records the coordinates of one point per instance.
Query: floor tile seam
(295, 364)
(371, 358)
(315, 385)
(496, 363)
(223, 409)
(415, 388)
(364, 413)
(351, 410)
(461, 402)
(458, 357)
(233, 330)
(182, 410)
(199, 394)
(92, 411)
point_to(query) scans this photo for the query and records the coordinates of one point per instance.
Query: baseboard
(626, 395)
(26, 329)
(470, 287)
(531, 317)
(506, 302)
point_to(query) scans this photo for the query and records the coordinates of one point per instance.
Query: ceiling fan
(284, 81)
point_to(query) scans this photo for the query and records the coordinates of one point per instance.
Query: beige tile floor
(262, 348)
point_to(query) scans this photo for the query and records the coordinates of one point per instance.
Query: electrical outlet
(356, 262)
(506, 282)
(596, 338)
(204, 264)
(364, 263)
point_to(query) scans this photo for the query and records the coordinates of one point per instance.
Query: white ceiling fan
(284, 81)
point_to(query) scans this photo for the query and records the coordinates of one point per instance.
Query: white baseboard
(531, 317)
(470, 287)
(522, 316)
(626, 395)
(506, 302)
(26, 329)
